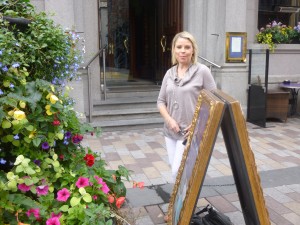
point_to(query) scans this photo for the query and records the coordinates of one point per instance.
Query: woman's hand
(173, 125)
(187, 131)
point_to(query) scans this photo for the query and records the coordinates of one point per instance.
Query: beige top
(180, 95)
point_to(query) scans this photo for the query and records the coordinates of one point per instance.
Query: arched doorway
(138, 34)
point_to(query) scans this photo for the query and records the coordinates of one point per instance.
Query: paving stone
(156, 214)
(236, 217)
(142, 197)
(276, 206)
(278, 196)
(145, 220)
(293, 218)
(221, 204)
(278, 219)
(294, 206)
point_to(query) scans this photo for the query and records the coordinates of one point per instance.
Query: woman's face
(183, 51)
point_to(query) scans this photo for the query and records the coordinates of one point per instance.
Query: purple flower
(68, 134)
(16, 137)
(42, 190)
(15, 65)
(23, 187)
(1, 92)
(4, 69)
(37, 162)
(11, 85)
(34, 211)
(2, 161)
(45, 145)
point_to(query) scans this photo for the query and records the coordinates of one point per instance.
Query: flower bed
(47, 176)
(278, 33)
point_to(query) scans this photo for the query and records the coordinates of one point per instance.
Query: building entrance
(138, 35)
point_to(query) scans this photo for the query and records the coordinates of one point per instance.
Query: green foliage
(41, 154)
(73, 209)
(43, 48)
(276, 34)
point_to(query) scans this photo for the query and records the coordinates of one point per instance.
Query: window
(284, 11)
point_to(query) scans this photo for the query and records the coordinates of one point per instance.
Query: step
(125, 103)
(132, 93)
(122, 114)
(128, 124)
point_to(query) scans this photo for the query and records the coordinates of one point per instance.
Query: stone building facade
(208, 20)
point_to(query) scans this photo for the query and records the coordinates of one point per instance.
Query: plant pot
(20, 23)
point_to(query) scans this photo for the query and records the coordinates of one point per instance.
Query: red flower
(89, 159)
(61, 157)
(56, 123)
(120, 201)
(111, 199)
(138, 184)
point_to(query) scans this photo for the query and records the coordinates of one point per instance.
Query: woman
(178, 95)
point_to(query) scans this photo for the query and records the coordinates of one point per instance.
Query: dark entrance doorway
(138, 34)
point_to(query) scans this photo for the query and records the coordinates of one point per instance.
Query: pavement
(277, 156)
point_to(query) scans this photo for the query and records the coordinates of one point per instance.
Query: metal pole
(104, 74)
(90, 94)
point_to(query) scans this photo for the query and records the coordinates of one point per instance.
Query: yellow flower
(19, 115)
(48, 110)
(53, 99)
(32, 134)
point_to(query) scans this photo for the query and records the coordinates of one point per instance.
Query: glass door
(114, 32)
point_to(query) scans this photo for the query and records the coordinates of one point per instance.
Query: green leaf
(82, 191)
(19, 169)
(64, 208)
(10, 137)
(28, 182)
(12, 184)
(55, 164)
(30, 128)
(29, 170)
(36, 142)
(16, 143)
(55, 157)
(27, 140)
(87, 197)
(19, 159)
(10, 175)
(74, 201)
(6, 124)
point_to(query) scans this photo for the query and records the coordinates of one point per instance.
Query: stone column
(209, 21)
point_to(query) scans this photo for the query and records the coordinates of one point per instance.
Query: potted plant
(277, 33)
(47, 177)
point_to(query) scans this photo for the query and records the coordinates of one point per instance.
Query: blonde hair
(189, 37)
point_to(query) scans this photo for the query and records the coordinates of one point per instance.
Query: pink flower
(104, 188)
(56, 215)
(95, 197)
(82, 182)
(53, 221)
(42, 190)
(63, 195)
(23, 187)
(34, 212)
